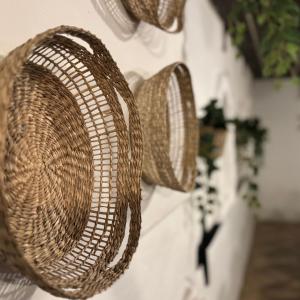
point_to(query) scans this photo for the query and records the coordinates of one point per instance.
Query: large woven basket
(165, 14)
(70, 167)
(167, 110)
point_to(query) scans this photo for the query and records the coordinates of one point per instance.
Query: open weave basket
(70, 166)
(167, 110)
(165, 14)
(134, 81)
(117, 17)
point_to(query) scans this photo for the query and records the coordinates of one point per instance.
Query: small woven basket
(167, 110)
(70, 167)
(164, 14)
(215, 147)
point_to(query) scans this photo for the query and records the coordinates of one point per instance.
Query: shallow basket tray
(167, 111)
(70, 167)
(164, 14)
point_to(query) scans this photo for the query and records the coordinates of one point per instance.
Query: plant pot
(212, 141)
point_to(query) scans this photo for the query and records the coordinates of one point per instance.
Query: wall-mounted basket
(164, 14)
(134, 81)
(70, 167)
(117, 17)
(167, 110)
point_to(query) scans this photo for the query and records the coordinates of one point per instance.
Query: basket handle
(12, 65)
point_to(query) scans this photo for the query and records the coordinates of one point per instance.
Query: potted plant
(212, 131)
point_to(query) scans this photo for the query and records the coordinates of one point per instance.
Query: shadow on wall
(124, 26)
(152, 38)
(115, 16)
(13, 286)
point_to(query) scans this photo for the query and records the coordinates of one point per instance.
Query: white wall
(279, 180)
(165, 259)
(216, 72)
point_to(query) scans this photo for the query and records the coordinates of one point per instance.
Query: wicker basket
(70, 167)
(165, 14)
(147, 190)
(167, 110)
(117, 17)
(217, 136)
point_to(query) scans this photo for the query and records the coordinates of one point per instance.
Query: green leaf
(261, 19)
(278, 25)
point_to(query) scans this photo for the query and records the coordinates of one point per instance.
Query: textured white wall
(217, 72)
(164, 263)
(279, 180)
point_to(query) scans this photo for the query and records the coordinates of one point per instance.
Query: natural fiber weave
(215, 149)
(165, 14)
(70, 167)
(167, 110)
(134, 81)
(117, 17)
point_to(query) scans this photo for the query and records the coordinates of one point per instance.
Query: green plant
(277, 26)
(250, 135)
(213, 120)
(210, 126)
(214, 116)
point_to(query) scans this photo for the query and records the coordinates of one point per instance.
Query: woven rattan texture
(70, 167)
(165, 14)
(167, 110)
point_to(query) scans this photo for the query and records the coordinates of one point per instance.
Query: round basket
(134, 81)
(164, 14)
(70, 167)
(167, 111)
(212, 141)
(117, 17)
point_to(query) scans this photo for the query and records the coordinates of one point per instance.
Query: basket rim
(163, 78)
(10, 67)
(178, 17)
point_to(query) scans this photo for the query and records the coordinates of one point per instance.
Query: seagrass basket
(70, 166)
(212, 142)
(167, 111)
(117, 17)
(134, 81)
(164, 14)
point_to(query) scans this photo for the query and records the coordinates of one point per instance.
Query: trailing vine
(277, 25)
(250, 139)
(212, 134)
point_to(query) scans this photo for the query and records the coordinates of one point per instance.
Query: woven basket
(70, 167)
(218, 137)
(165, 14)
(117, 17)
(167, 110)
(134, 81)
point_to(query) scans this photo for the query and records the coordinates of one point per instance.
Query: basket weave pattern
(167, 110)
(70, 166)
(162, 13)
